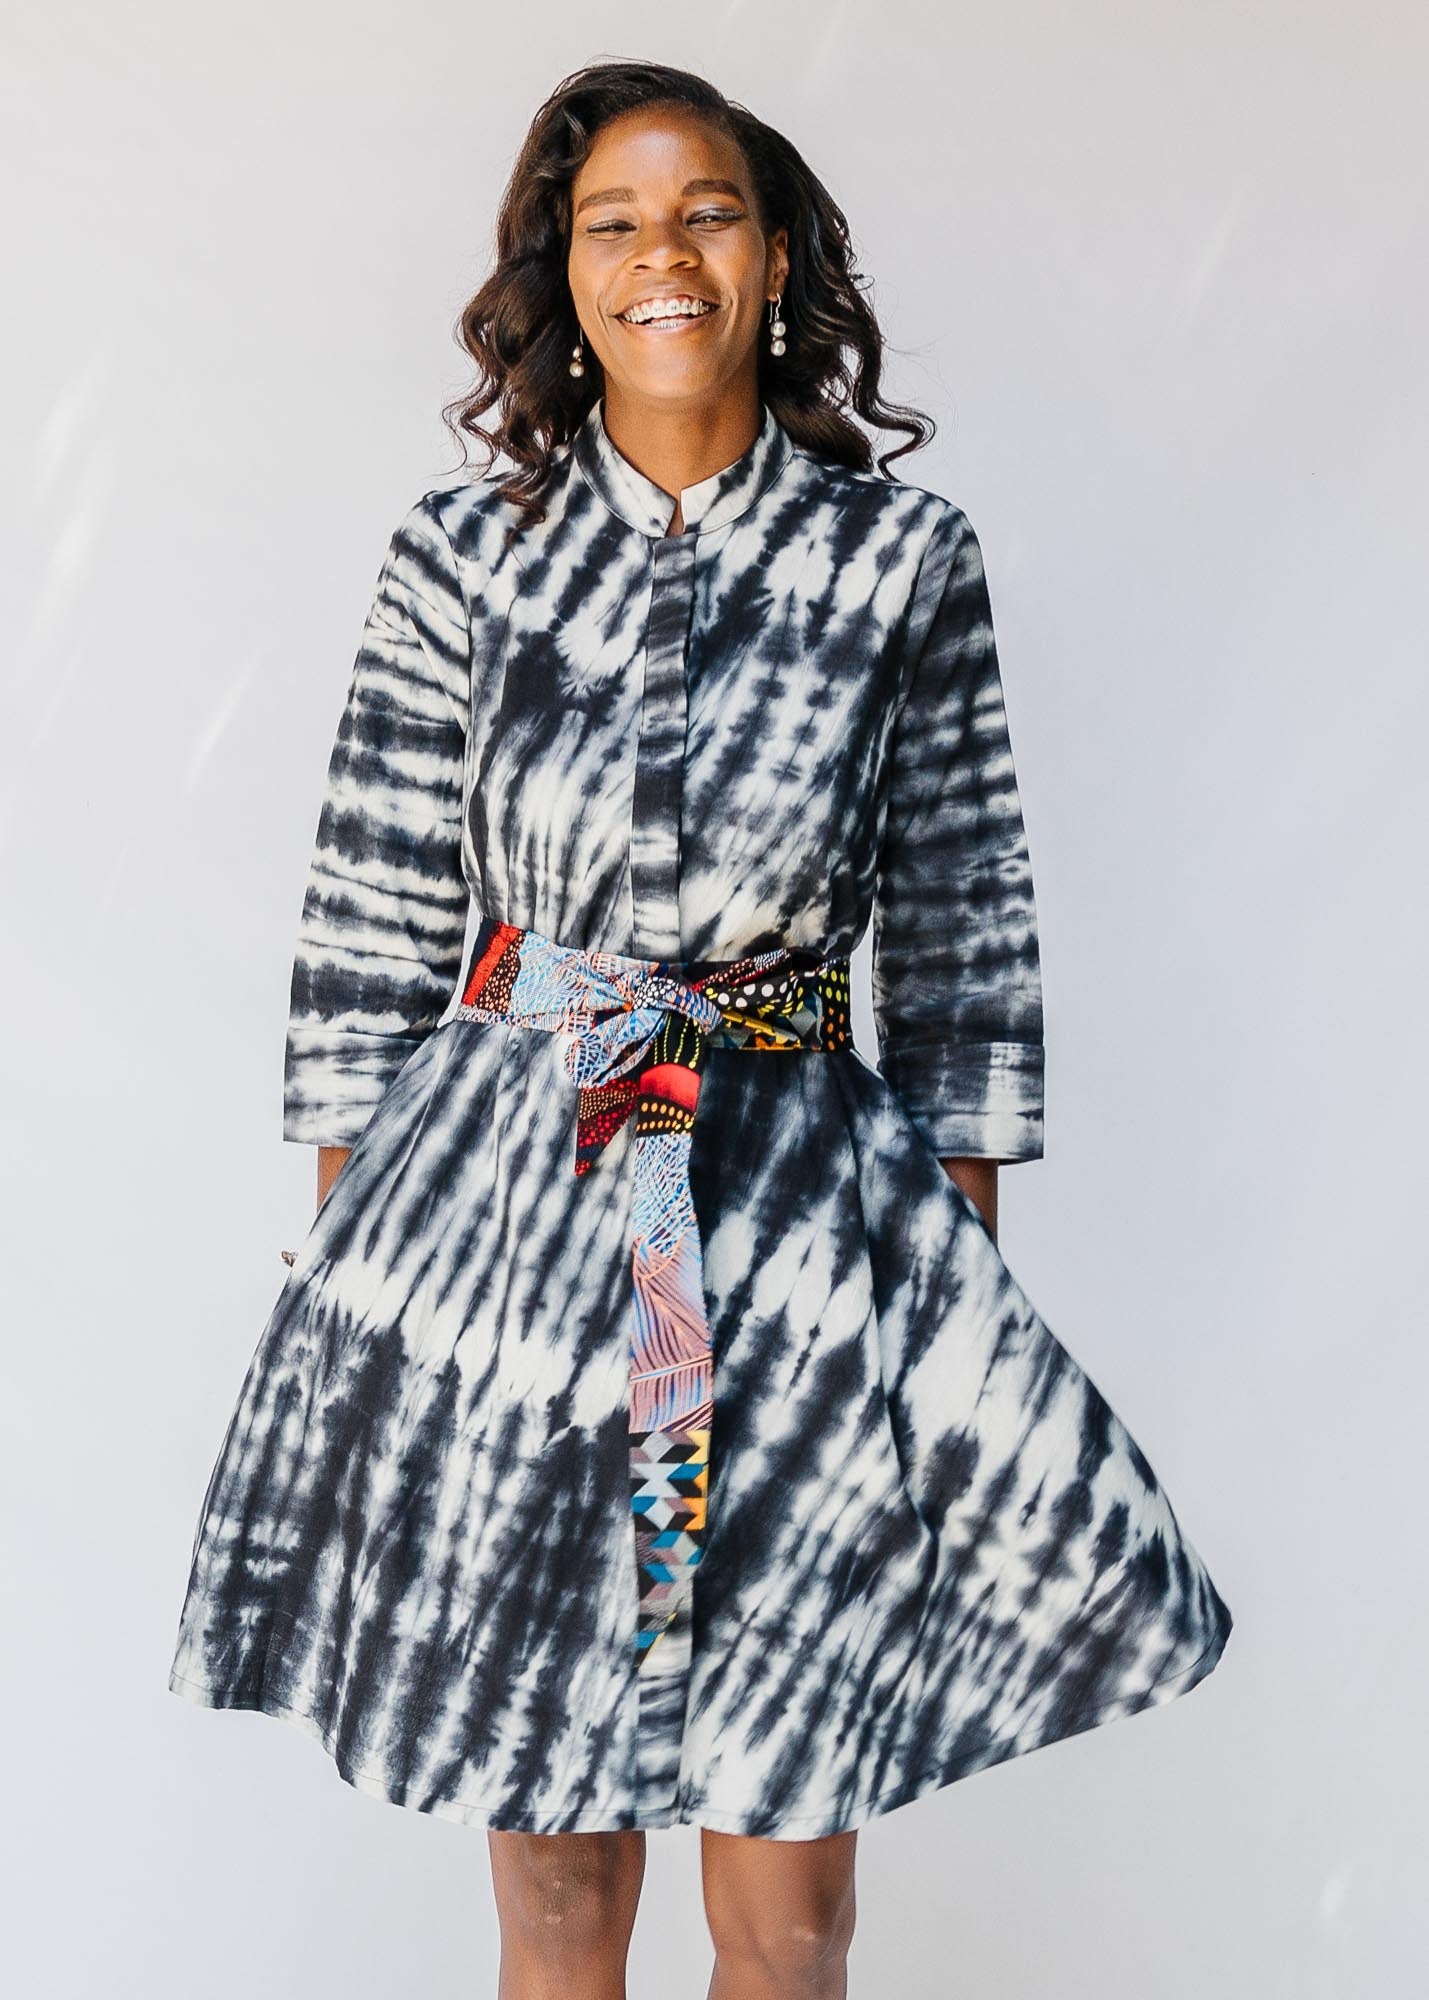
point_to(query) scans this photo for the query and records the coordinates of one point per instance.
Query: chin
(672, 385)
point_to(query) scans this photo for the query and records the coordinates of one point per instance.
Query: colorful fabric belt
(640, 1029)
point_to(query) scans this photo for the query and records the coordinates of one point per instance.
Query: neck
(677, 445)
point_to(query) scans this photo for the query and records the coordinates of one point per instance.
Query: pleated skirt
(931, 1543)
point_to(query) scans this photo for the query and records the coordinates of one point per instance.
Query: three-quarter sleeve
(957, 990)
(385, 907)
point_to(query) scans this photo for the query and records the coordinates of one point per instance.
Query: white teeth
(652, 309)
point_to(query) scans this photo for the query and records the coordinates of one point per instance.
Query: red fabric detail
(672, 1081)
(501, 937)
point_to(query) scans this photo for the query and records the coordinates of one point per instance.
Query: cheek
(746, 321)
(586, 273)
(747, 283)
(578, 277)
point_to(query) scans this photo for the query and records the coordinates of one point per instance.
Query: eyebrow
(690, 187)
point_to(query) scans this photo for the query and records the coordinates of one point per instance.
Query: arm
(957, 990)
(330, 1164)
(978, 1181)
(385, 906)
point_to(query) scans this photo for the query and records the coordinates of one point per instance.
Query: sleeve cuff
(972, 1100)
(334, 1081)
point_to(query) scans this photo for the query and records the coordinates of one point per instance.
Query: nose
(661, 244)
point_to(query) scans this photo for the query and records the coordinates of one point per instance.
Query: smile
(666, 315)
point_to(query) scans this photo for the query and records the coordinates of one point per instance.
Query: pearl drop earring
(577, 366)
(777, 328)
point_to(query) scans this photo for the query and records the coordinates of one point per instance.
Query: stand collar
(709, 503)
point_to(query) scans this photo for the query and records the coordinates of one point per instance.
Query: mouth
(667, 315)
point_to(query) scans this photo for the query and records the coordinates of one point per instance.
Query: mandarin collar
(709, 503)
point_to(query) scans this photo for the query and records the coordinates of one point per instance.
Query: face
(664, 214)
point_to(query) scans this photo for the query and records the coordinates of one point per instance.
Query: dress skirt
(930, 1544)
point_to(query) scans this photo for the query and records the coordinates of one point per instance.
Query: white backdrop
(1159, 273)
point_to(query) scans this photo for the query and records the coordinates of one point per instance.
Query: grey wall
(1160, 274)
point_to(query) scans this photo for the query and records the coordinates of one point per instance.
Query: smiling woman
(670, 268)
(646, 1434)
(638, 184)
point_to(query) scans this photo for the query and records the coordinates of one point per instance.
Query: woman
(645, 1433)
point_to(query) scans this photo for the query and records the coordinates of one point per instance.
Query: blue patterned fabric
(637, 1033)
(929, 1544)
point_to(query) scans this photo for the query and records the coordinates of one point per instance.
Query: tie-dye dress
(925, 1541)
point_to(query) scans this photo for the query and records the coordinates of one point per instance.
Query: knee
(796, 1950)
(566, 1895)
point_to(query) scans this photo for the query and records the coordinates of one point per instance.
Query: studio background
(1159, 275)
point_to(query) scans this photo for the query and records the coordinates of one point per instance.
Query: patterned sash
(640, 1029)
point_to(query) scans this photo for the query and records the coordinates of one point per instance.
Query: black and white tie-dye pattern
(931, 1544)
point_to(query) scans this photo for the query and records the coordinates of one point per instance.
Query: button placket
(660, 756)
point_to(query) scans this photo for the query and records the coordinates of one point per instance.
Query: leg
(781, 1915)
(565, 1903)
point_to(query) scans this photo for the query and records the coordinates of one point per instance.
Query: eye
(613, 223)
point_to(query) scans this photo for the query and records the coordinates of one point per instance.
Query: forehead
(660, 149)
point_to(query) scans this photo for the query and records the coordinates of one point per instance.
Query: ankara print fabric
(637, 1035)
(929, 1543)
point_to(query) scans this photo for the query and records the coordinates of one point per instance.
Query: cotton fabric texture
(929, 1544)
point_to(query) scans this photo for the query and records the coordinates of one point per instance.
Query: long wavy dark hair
(520, 327)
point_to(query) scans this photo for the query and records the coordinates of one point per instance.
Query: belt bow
(639, 1031)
